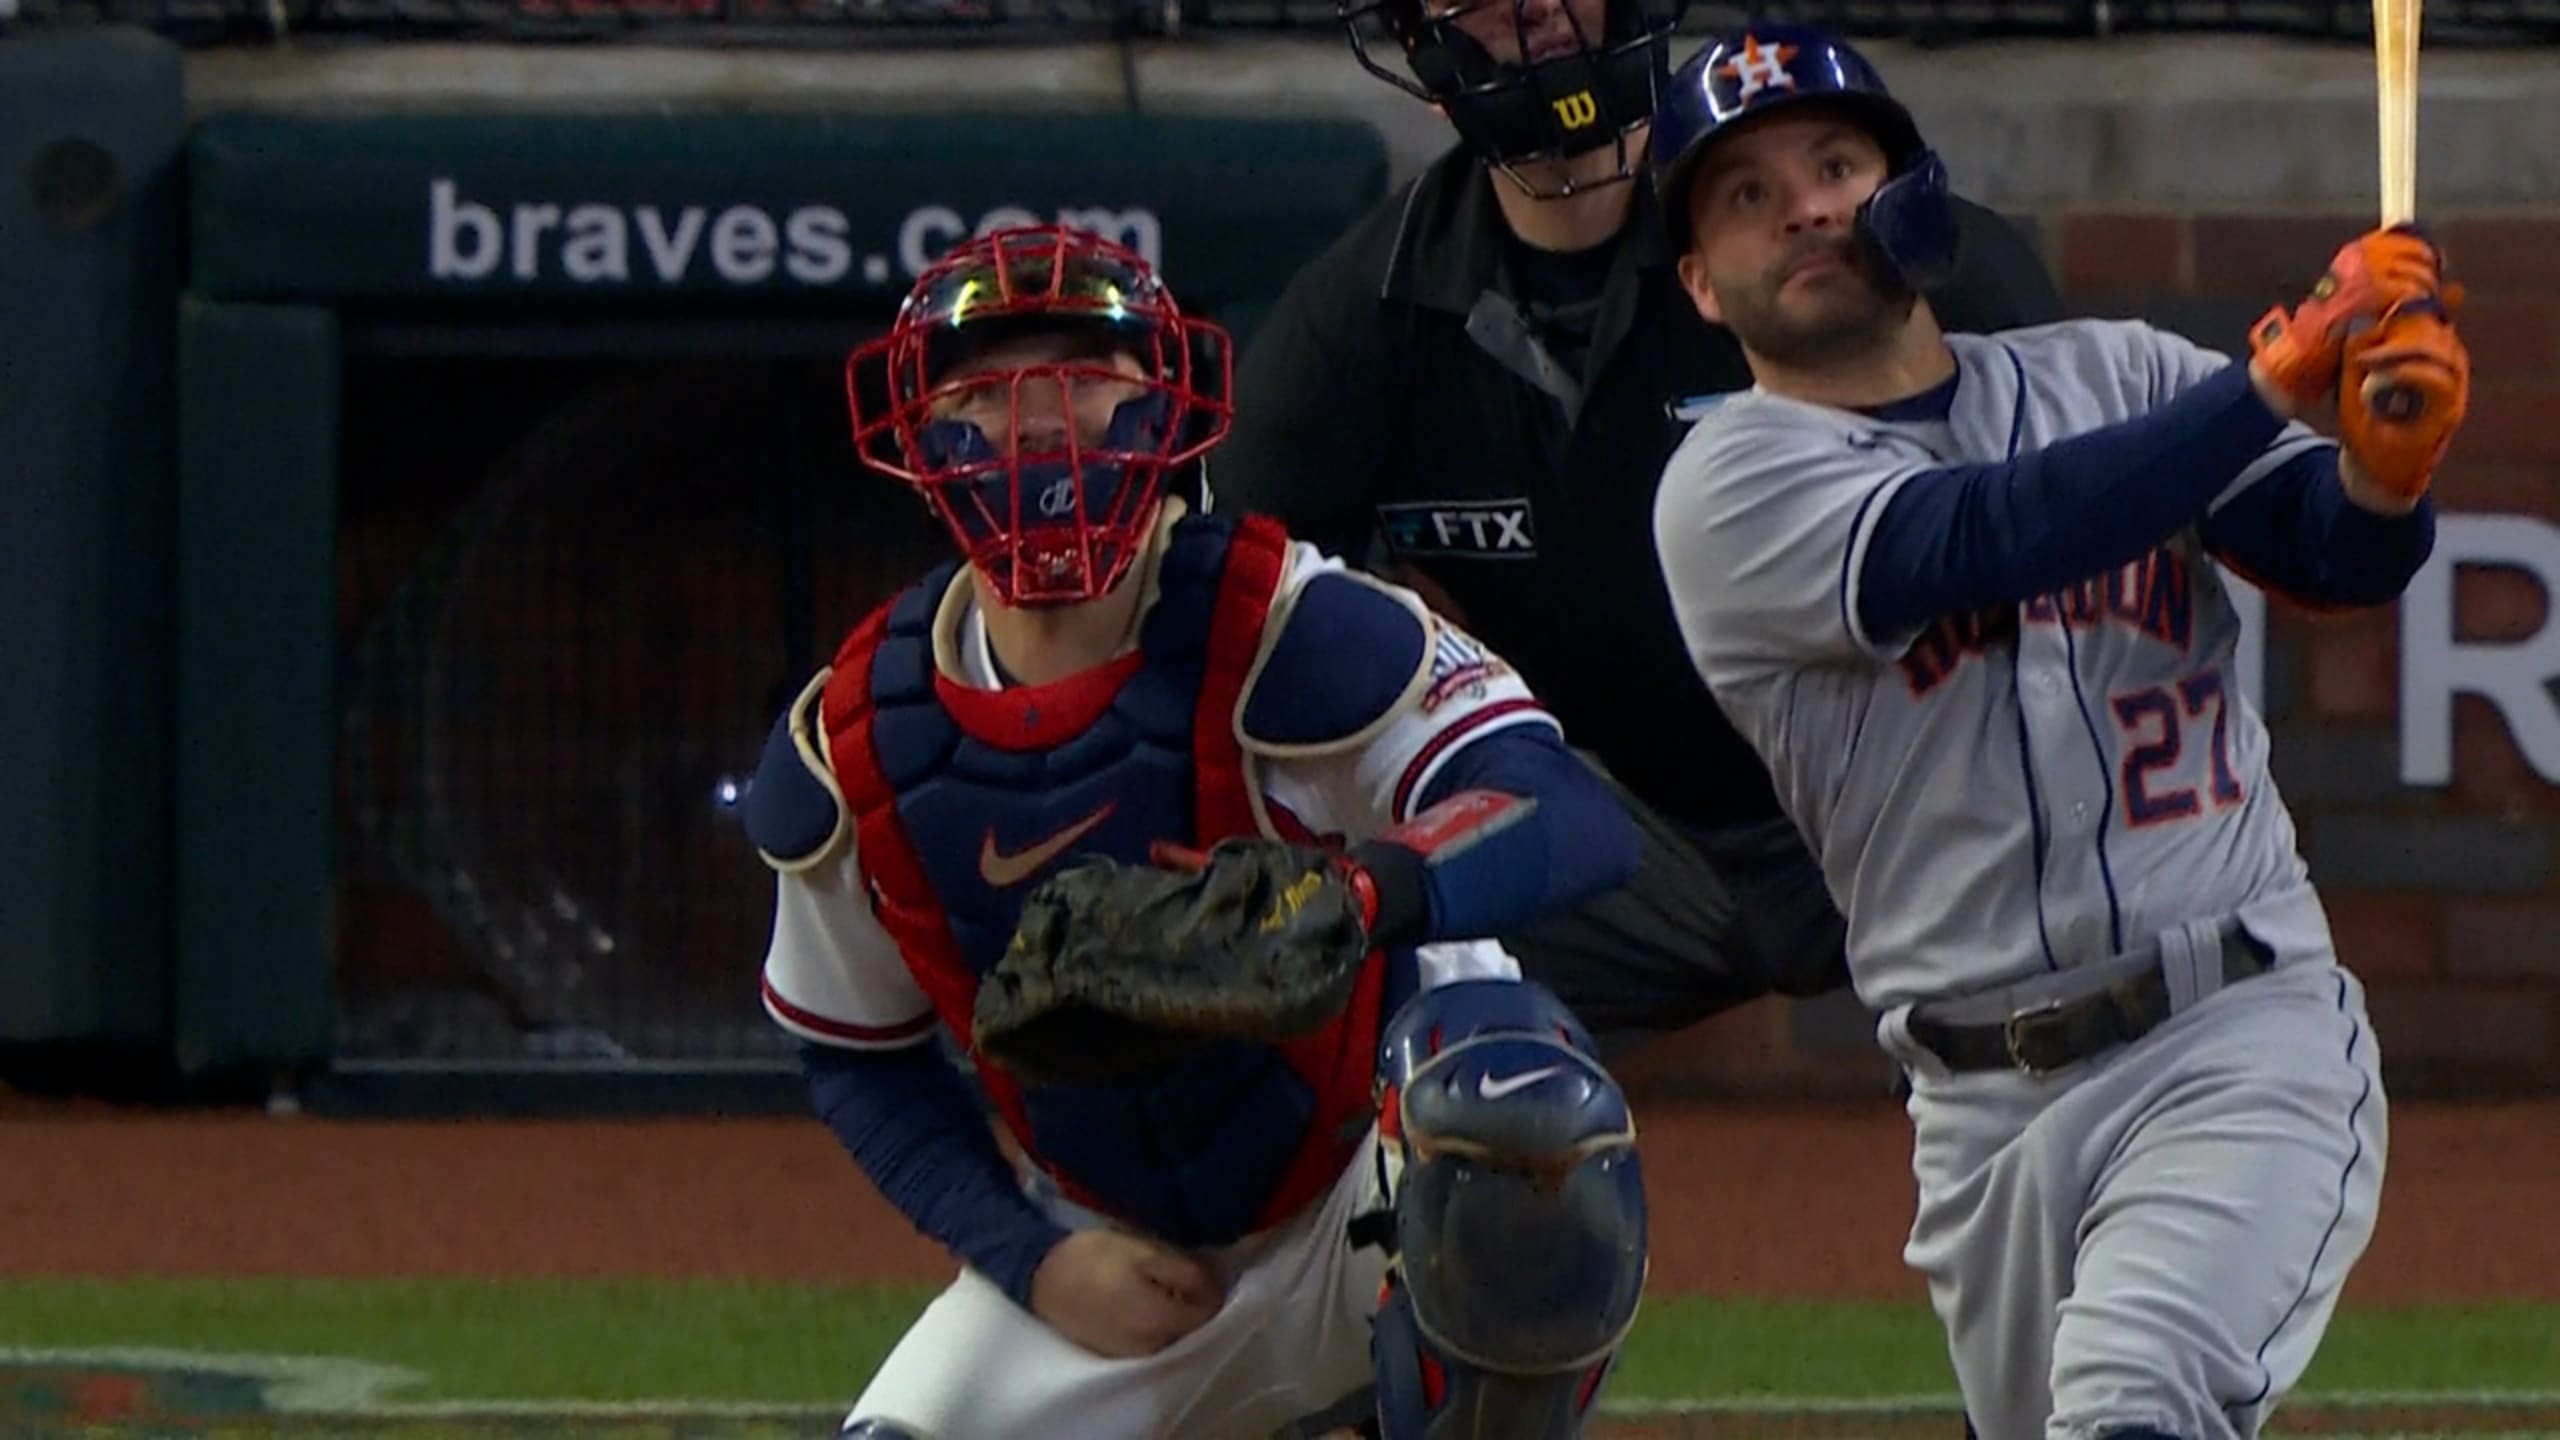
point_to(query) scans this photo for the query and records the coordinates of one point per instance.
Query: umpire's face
(1774, 249)
(1525, 32)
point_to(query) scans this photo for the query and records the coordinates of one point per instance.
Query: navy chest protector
(963, 800)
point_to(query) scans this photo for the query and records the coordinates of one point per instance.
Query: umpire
(1473, 391)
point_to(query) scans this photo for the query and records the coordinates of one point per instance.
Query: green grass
(516, 1339)
(1690, 1346)
(648, 1340)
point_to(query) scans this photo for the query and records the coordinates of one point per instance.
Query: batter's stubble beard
(1833, 333)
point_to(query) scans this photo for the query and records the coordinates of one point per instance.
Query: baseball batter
(1963, 593)
(1225, 1234)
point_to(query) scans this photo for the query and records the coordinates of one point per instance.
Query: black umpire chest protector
(1526, 492)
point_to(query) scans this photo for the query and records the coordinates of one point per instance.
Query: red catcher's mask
(1050, 512)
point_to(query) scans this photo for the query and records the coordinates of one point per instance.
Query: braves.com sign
(595, 243)
(2519, 679)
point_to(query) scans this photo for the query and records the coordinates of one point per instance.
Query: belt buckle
(2014, 1032)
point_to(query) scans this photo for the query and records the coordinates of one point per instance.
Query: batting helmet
(1047, 518)
(1907, 223)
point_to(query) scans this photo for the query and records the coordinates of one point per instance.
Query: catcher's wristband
(1394, 893)
(1425, 871)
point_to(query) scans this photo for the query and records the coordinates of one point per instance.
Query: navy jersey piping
(2337, 1215)
(2017, 692)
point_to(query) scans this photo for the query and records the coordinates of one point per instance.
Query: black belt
(2059, 1033)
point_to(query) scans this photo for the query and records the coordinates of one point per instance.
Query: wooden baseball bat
(2395, 63)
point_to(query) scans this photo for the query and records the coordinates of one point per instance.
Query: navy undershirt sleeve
(1969, 537)
(2294, 532)
(1576, 843)
(911, 1123)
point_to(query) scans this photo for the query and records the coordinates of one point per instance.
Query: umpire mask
(1527, 82)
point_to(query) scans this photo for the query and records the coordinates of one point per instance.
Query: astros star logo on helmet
(1760, 67)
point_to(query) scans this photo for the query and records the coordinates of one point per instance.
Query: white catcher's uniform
(2013, 808)
(1292, 1337)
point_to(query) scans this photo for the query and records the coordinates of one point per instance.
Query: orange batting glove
(2405, 387)
(2302, 351)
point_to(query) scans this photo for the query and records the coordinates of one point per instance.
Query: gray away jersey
(2027, 788)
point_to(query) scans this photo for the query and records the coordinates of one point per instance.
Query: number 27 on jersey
(2162, 782)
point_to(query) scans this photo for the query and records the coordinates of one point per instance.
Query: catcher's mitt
(1117, 969)
(2301, 350)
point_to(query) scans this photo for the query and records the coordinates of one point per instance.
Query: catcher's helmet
(1048, 518)
(1596, 89)
(1907, 223)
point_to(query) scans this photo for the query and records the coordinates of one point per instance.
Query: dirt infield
(1806, 1201)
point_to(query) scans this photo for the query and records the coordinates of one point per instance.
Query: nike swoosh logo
(1493, 1089)
(1002, 870)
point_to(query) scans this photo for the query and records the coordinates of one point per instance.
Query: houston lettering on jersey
(2153, 595)
(1950, 640)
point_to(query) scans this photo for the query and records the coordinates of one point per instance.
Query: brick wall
(2445, 899)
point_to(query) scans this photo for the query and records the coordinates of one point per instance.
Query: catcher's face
(1029, 393)
(1068, 433)
(1775, 253)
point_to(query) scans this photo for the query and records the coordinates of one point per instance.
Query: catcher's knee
(1519, 1216)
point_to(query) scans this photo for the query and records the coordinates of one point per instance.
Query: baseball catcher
(1186, 836)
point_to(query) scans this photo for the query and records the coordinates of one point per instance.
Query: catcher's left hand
(1116, 969)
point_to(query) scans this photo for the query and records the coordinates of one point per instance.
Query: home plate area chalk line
(145, 1393)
